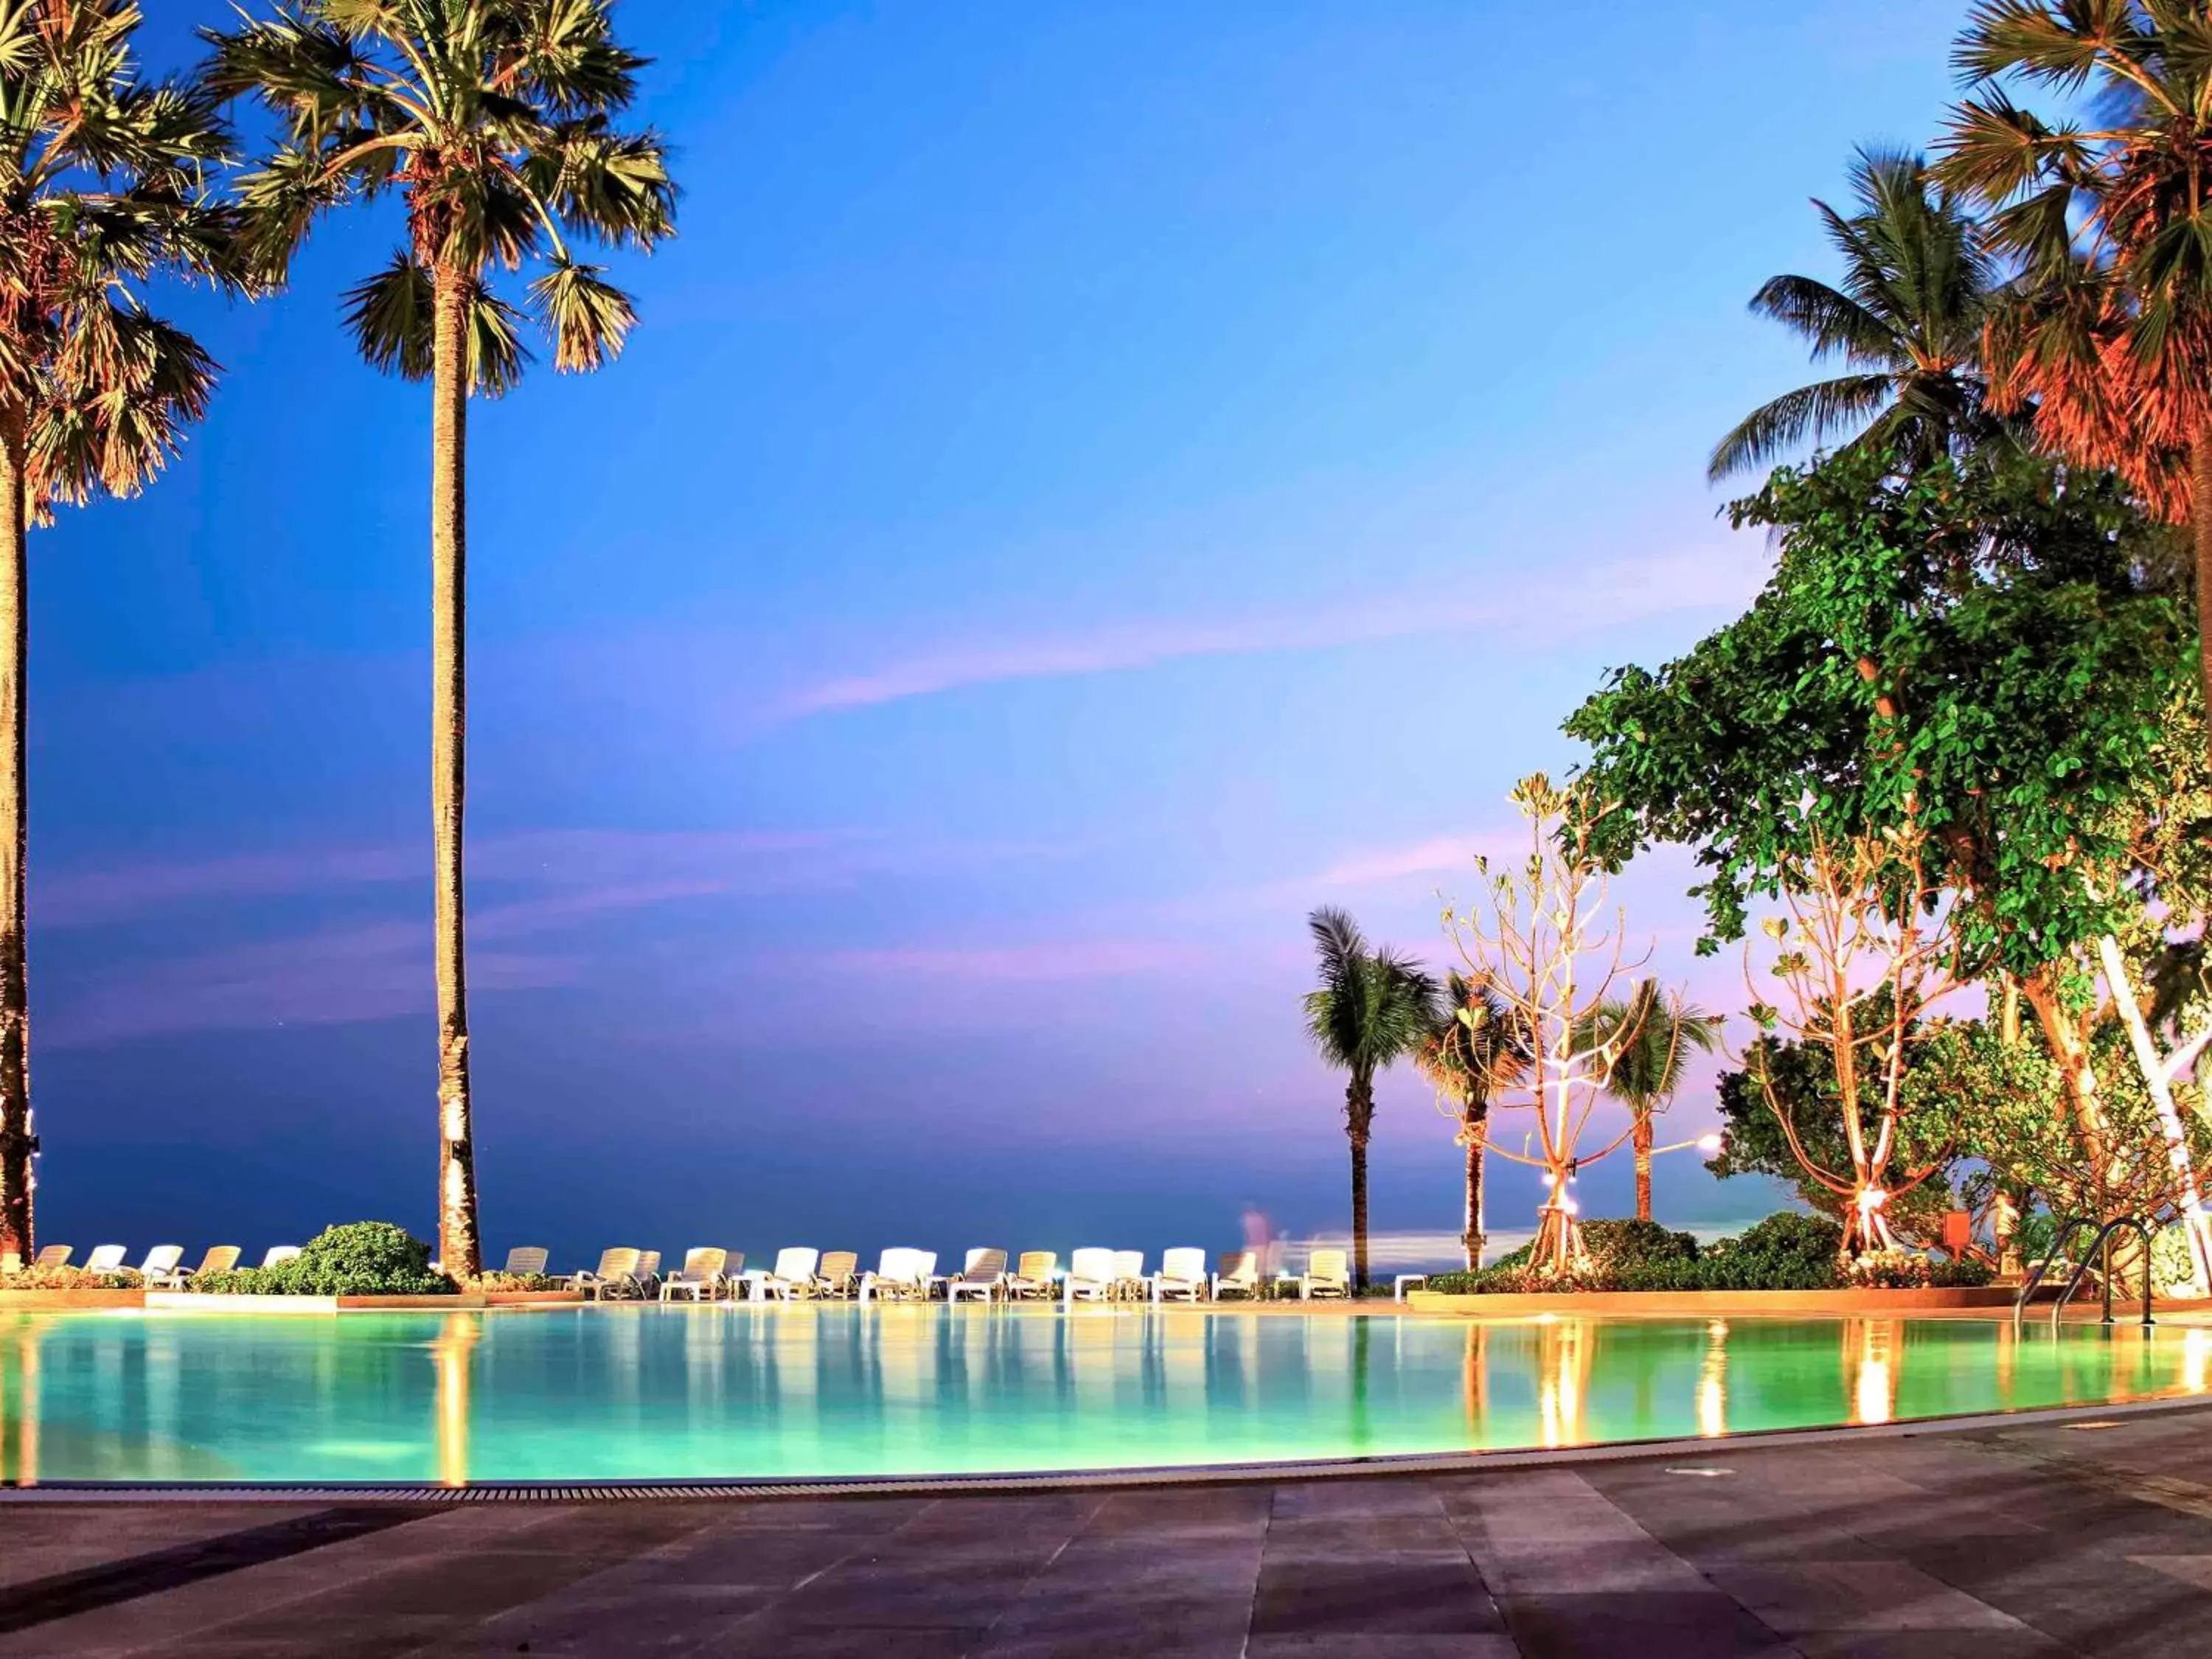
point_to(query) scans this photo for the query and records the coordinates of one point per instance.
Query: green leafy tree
(2108, 337)
(1659, 1030)
(494, 123)
(103, 193)
(1372, 1008)
(1904, 320)
(1476, 1048)
(1965, 655)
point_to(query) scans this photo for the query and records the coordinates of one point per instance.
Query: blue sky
(1090, 484)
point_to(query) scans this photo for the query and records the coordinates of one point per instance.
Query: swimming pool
(725, 1392)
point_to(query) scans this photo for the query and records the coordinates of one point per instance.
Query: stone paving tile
(1400, 1595)
(1653, 1625)
(1372, 1646)
(1854, 1595)
(2033, 1542)
(2019, 1643)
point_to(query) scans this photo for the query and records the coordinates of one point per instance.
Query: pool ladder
(2103, 1242)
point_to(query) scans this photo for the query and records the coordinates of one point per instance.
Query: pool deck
(2026, 1539)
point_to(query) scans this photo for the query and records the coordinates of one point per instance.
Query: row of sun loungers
(910, 1275)
(163, 1269)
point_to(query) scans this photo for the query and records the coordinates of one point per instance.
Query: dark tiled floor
(2025, 1541)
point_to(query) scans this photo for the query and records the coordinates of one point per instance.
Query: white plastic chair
(1090, 1276)
(1181, 1277)
(794, 1277)
(982, 1277)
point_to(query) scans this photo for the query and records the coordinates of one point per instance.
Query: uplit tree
(1868, 947)
(493, 122)
(1536, 938)
(102, 192)
(1373, 1007)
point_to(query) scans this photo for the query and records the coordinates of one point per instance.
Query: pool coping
(754, 1489)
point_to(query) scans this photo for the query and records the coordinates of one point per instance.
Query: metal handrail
(2059, 1235)
(2104, 1242)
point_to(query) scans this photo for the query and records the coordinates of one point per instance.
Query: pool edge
(758, 1489)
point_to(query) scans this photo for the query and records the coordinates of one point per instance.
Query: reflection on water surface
(652, 1393)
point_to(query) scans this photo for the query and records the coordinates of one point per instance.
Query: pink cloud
(1723, 576)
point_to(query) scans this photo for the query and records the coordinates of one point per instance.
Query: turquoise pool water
(684, 1393)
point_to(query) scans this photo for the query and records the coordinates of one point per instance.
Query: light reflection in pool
(722, 1392)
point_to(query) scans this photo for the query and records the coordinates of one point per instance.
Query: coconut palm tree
(493, 122)
(101, 193)
(1373, 1007)
(1661, 1030)
(1475, 1048)
(1906, 321)
(2109, 218)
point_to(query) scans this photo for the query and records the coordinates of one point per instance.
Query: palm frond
(587, 317)
(1796, 420)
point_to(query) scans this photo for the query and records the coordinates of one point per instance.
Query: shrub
(64, 1278)
(363, 1258)
(1621, 1247)
(506, 1281)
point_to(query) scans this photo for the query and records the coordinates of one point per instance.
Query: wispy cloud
(719, 861)
(1052, 961)
(1723, 575)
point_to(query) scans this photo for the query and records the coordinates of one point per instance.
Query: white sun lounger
(219, 1259)
(1032, 1277)
(616, 1274)
(1326, 1274)
(705, 1275)
(278, 1255)
(1239, 1276)
(106, 1258)
(793, 1278)
(1181, 1277)
(902, 1275)
(1130, 1283)
(982, 1279)
(1091, 1277)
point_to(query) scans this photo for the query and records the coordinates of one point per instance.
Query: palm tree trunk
(1641, 1141)
(16, 1144)
(459, 1247)
(1473, 1237)
(2200, 513)
(1358, 1113)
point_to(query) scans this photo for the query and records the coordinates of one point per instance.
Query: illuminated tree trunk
(1474, 1132)
(15, 1141)
(1358, 1119)
(2153, 1064)
(459, 1244)
(2070, 1049)
(1641, 1143)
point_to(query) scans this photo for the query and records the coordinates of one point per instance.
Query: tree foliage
(1966, 652)
(1904, 321)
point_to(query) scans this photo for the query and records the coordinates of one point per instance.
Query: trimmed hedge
(362, 1258)
(1787, 1251)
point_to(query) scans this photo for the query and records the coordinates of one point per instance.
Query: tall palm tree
(1662, 1029)
(1475, 1047)
(101, 192)
(1373, 1007)
(2110, 220)
(492, 121)
(1906, 322)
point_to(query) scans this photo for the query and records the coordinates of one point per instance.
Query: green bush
(1787, 1251)
(1621, 1247)
(362, 1258)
